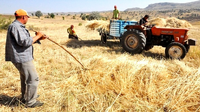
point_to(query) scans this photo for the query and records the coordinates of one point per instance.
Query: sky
(50, 6)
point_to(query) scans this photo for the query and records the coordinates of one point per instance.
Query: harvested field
(114, 81)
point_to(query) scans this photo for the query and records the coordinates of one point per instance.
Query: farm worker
(72, 33)
(19, 50)
(116, 13)
(144, 20)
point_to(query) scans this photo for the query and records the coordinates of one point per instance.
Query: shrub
(82, 14)
(74, 17)
(47, 16)
(4, 23)
(94, 16)
(83, 17)
(104, 18)
(80, 24)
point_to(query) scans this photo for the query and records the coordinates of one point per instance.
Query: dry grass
(98, 24)
(170, 23)
(114, 80)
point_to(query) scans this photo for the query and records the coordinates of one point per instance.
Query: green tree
(52, 15)
(83, 17)
(38, 14)
(81, 14)
(94, 16)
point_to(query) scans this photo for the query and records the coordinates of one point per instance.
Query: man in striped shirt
(19, 51)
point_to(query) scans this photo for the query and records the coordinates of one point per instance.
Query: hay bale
(159, 22)
(170, 23)
(177, 23)
(98, 24)
(133, 20)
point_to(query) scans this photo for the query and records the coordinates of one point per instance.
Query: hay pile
(170, 23)
(159, 22)
(98, 24)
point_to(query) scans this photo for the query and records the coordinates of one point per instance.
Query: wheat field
(112, 80)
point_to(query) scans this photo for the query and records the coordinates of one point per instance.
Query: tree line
(39, 14)
(92, 16)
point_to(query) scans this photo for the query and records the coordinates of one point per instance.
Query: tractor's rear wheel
(133, 41)
(175, 50)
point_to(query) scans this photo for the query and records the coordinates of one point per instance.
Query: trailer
(116, 30)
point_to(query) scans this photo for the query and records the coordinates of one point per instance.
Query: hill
(167, 6)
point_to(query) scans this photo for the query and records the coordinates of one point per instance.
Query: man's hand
(43, 37)
(39, 34)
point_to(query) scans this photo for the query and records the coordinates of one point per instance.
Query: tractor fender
(136, 27)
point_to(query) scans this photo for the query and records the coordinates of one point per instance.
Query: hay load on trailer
(98, 24)
(170, 23)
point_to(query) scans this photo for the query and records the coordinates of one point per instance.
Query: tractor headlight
(177, 39)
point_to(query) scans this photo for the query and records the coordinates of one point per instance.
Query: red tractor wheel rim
(175, 52)
(132, 42)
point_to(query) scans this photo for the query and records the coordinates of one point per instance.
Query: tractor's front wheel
(175, 50)
(133, 41)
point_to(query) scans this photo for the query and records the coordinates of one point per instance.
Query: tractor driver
(144, 20)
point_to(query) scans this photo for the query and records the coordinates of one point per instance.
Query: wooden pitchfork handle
(65, 50)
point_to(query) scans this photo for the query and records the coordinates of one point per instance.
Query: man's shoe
(36, 104)
(23, 101)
